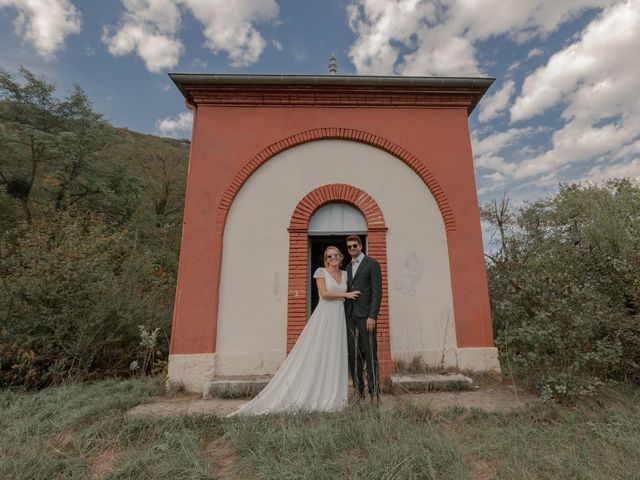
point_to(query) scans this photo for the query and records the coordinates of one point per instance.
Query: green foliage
(90, 223)
(77, 289)
(148, 352)
(564, 287)
(58, 151)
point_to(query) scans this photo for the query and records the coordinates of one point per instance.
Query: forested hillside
(90, 224)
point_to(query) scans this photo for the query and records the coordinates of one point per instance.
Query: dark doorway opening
(317, 246)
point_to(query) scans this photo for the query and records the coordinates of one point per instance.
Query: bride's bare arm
(327, 295)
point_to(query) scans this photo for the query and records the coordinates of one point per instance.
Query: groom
(364, 275)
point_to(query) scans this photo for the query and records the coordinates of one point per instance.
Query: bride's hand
(352, 295)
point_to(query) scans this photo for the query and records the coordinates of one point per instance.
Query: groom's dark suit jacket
(368, 280)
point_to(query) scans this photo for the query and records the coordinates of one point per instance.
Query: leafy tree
(31, 116)
(62, 138)
(85, 133)
(165, 169)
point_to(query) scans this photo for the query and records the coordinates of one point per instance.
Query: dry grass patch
(480, 469)
(356, 454)
(223, 456)
(65, 439)
(104, 464)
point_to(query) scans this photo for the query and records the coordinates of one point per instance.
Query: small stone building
(282, 166)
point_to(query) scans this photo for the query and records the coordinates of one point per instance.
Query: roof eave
(477, 84)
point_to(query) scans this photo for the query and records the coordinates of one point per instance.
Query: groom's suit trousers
(363, 352)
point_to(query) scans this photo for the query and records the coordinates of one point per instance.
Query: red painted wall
(226, 138)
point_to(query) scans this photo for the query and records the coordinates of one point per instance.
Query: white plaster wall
(253, 294)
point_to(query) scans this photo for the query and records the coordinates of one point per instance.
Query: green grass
(83, 432)
(357, 443)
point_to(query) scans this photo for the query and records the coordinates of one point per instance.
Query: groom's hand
(371, 324)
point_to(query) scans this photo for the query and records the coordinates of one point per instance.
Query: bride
(314, 375)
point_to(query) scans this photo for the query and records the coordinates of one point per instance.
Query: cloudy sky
(565, 105)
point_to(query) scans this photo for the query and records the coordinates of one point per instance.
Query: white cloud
(597, 83)
(487, 152)
(441, 54)
(495, 180)
(535, 52)
(149, 28)
(495, 104)
(495, 177)
(498, 141)
(629, 150)
(495, 162)
(277, 45)
(618, 170)
(45, 23)
(608, 42)
(521, 21)
(438, 37)
(378, 23)
(199, 63)
(228, 26)
(175, 126)
(514, 66)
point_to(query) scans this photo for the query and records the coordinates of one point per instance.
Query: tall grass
(84, 432)
(596, 440)
(358, 442)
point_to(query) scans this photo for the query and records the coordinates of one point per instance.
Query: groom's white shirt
(354, 266)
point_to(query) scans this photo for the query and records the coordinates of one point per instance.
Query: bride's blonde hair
(326, 251)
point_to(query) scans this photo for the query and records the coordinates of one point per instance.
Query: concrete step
(246, 387)
(430, 382)
(235, 387)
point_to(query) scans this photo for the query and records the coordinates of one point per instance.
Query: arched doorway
(329, 226)
(299, 244)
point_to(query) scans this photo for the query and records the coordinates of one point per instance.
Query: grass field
(83, 432)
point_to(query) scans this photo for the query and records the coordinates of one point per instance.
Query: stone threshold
(245, 387)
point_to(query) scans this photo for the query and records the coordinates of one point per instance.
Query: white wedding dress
(315, 374)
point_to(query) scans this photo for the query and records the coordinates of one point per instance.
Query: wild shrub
(565, 290)
(74, 292)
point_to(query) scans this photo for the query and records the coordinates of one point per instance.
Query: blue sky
(565, 105)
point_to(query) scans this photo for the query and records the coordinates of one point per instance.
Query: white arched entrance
(337, 219)
(329, 226)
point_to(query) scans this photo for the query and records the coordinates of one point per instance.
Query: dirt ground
(492, 398)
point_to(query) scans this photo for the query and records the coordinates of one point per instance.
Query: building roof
(331, 90)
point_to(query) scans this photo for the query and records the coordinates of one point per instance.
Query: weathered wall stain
(276, 285)
(409, 280)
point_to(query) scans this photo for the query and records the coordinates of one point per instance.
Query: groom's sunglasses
(353, 246)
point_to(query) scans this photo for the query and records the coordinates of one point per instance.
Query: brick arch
(298, 255)
(337, 134)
